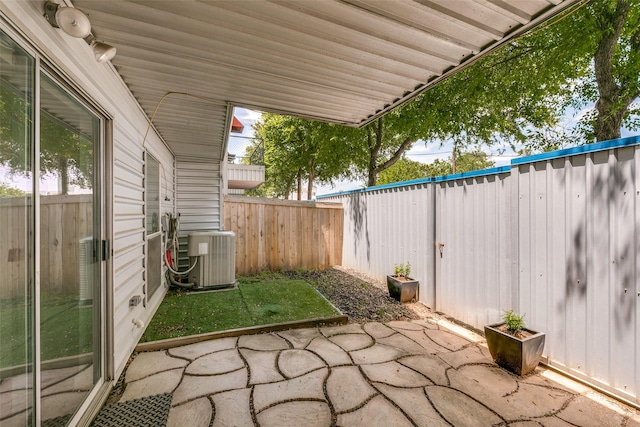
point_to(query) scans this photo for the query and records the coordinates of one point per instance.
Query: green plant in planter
(402, 270)
(512, 346)
(513, 321)
(401, 286)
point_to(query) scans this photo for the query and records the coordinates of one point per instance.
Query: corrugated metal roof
(338, 61)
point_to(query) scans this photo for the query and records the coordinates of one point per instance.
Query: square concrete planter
(403, 290)
(517, 355)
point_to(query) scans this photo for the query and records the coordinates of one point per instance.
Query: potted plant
(512, 346)
(401, 286)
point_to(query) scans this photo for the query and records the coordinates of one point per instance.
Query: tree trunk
(63, 168)
(299, 184)
(375, 144)
(612, 104)
(310, 181)
(454, 158)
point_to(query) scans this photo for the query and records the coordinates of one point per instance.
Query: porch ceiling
(337, 61)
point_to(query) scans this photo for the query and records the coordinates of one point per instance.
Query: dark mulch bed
(357, 298)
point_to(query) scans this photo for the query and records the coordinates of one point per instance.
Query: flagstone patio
(424, 372)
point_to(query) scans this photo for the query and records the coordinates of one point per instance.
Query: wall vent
(216, 255)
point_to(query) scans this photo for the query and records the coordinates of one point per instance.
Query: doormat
(151, 411)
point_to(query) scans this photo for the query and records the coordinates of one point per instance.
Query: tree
(8, 191)
(403, 170)
(615, 26)
(297, 149)
(407, 169)
(64, 152)
(519, 93)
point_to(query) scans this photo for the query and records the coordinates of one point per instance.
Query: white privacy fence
(555, 236)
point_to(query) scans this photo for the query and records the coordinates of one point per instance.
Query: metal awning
(338, 61)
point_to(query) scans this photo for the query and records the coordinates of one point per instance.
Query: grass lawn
(250, 304)
(65, 330)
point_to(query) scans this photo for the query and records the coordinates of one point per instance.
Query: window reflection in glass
(16, 234)
(69, 236)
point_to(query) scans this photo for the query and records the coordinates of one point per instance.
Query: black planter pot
(517, 355)
(403, 291)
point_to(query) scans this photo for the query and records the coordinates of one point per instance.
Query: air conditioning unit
(215, 252)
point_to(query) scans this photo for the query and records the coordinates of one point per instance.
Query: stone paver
(262, 366)
(395, 374)
(351, 328)
(162, 382)
(193, 387)
(447, 340)
(511, 400)
(347, 388)
(378, 353)
(330, 353)
(585, 412)
(465, 356)
(377, 412)
(146, 364)
(422, 339)
(431, 367)
(351, 342)
(232, 408)
(262, 342)
(216, 363)
(424, 373)
(414, 402)
(293, 363)
(299, 413)
(196, 413)
(402, 342)
(307, 387)
(193, 351)
(404, 325)
(377, 330)
(300, 338)
(459, 409)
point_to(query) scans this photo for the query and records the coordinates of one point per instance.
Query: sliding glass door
(17, 236)
(51, 252)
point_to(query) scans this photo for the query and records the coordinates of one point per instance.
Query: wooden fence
(64, 220)
(283, 234)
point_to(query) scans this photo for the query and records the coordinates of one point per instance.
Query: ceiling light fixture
(69, 19)
(102, 51)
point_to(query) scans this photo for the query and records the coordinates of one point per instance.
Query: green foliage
(8, 191)
(402, 270)
(513, 321)
(407, 169)
(297, 149)
(473, 160)
(403, 170)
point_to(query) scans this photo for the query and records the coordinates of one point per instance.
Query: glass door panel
(17, 246)
(70, 233)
